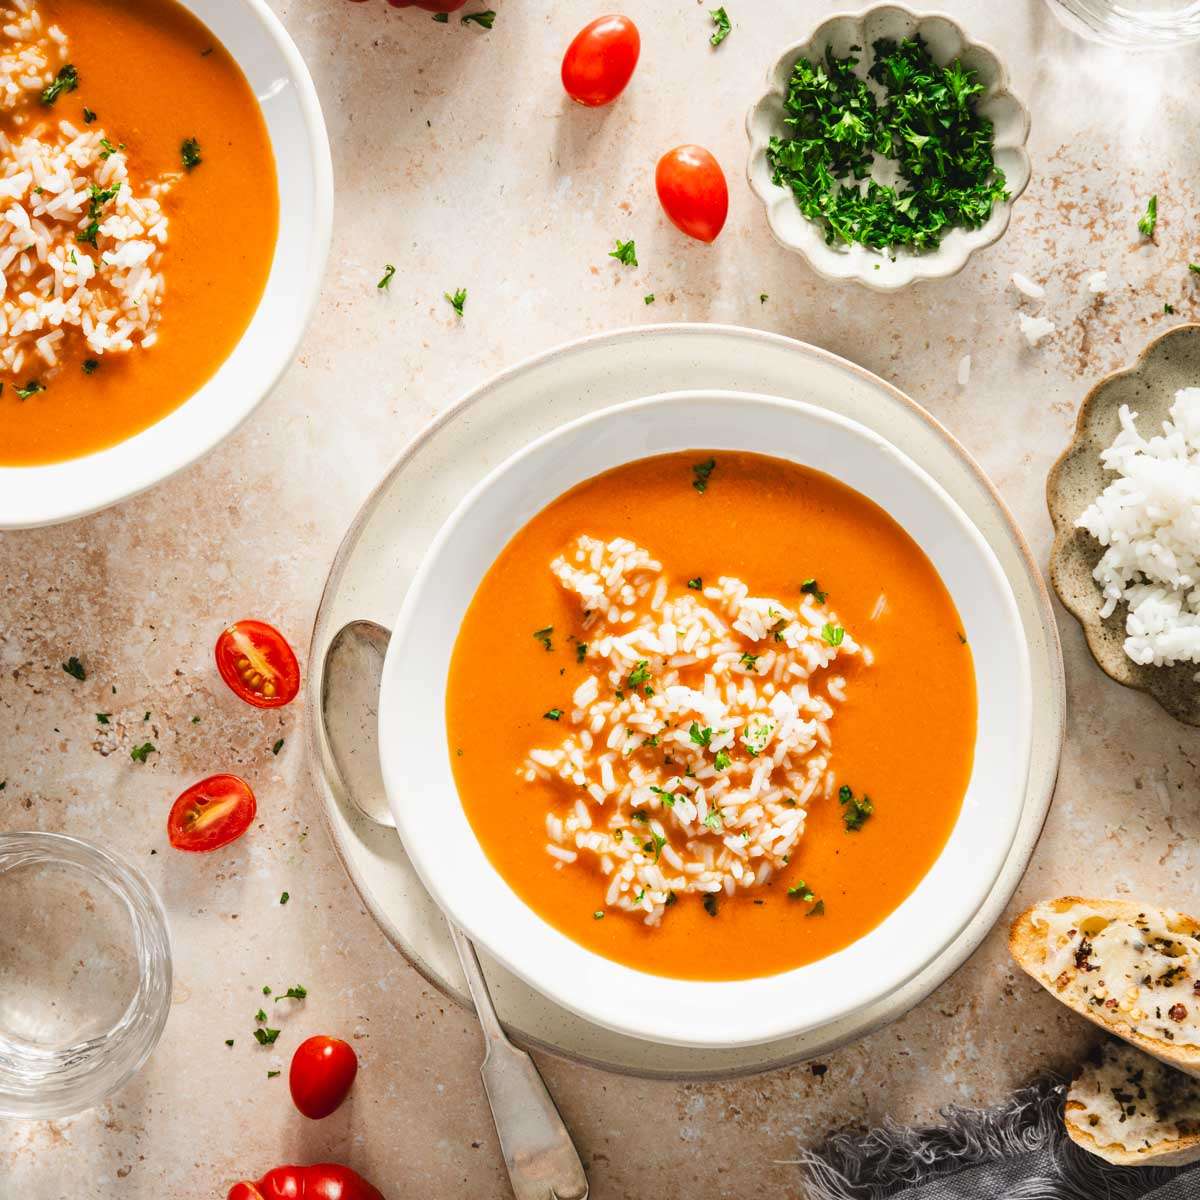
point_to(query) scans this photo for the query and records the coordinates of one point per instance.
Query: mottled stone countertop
(458, 159)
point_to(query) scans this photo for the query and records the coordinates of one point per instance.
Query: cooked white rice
(62, 188)
(700, 734)
(1148, 519)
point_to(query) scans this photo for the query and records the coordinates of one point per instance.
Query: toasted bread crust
(1167, 1153)
(1027, 948)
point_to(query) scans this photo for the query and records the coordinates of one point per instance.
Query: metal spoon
(542, 1161)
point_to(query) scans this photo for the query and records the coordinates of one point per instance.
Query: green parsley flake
(386, 282)
(260, 1015)
(442, 18)
(88, 116)
(1194, 268)
(543, 635)
(817, 910)
(723, 27)
(625, 253)
(701, 472)
(1169, 308)
(102, 718)
(597, 915)
(648, 298)
(272, 1074)
(100, 197)
(810, 588)
(927, 123)
(295, 992)
(265, 1037)
(75, 668)
(284, 898)
(229, 1041)
(655, 845)
(142, 752)
(67, 80)
(700, 737)
(696, 584)
(275, 749)
(1148, 222)
(91, 366)
(553, 714)
(710, 903)
(801, 891)
(855, 812)
(668, 798)
(581, 649)
(833, 634)
(486, 19)
(722, 760)
(190, 153)
(763, 297)
(30, 389)
(750, 661)
(713, 820)
(639, 674)
(458, 300)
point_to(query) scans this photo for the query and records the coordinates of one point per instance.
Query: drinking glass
(1134, 24)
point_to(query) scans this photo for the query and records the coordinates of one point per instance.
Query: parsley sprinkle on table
(1194, 268)
(190, 153)
(458, 300)
(67, 80)
(142, 752)
(284, 898)
(927, 124)
(272, 1074)
(486, 19)
(229, 1041)
(1147, 222)
(648, 298)
(1168, 308)
(265, 1037)
(723, 27)
(763, 297)
(625, 253)
(442, 18)
(75, 668)
(386, 282)
(295, 992)
(275, 749)
(702, 471)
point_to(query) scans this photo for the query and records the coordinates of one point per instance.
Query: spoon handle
(542, 1161)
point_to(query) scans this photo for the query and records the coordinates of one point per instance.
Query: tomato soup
(171, 108)
(724, 827)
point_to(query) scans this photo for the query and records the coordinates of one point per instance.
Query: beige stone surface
(458, 160)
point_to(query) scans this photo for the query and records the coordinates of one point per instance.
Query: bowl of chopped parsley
(887, 147)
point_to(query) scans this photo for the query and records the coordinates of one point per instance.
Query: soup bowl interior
(438, 836)
(253, 35)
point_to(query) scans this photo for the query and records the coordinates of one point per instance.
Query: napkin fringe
(876, 1164)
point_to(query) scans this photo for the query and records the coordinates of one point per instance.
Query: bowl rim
(64, 490)
(576, 989)
(936, 264)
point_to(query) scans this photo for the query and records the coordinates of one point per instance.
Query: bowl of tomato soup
(156, 286)
(708, 715)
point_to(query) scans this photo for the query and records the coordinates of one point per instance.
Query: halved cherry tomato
(211, 813)
(692, 190)
(258, 664)
(599, 62)
(323, 1068)
(321, 1181)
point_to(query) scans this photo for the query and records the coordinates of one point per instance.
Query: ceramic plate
(396, 525)
(1148, 386)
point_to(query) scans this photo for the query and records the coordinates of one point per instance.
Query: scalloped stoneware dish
(947, 41)
(187, 297)
(605, 968)
(1148, 387)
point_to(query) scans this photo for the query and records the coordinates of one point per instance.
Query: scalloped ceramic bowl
(946, 41)
(1148, 386)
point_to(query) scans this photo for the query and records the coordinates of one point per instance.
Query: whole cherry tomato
(211, 814)
(692, 190)
(256, 661)
(323, 1068)
(321, 1181)
(600, 61)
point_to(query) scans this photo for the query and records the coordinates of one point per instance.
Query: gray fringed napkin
(1018, 1151)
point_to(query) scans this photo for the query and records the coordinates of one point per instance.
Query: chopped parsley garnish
(553, 714)
(581, 649)
(67, 80)
(713, 820)
(30, 389)
(295, 992)
(810, 588)
(480, 18)
(1169, 308)
(275, 749)
(100, 197)
(88, 116)
(855, 811)
(655, 845)
(265, 1037)
(386, 281)
(102, 718)
(639, 815)
(750, 661)
(710, 903)
(598, 915)
(652, 740)
(1147, 222)
(543, 635)
(260, 1015)
(722, 760)
(272, 1074)
(639, 674)
(696, 584)
(833, 634)
(74, 668)
(142, 752)
(458, 300)
(442, 18)
(229, 1041)
(190, 153)
(668, 798)
(266, 990)
(284, 898)
(927, 123)
(701, 472)
(801, 891)
(648, 298)
(625, 253)
(723, 27)
(91, 366)
(700, 737)
(817, 910)
(107, 149)
(763, 297)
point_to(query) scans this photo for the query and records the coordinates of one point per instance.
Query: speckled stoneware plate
(1148, 386)
(396, 525)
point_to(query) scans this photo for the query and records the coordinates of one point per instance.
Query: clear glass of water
(85, 974)
(1134, 24)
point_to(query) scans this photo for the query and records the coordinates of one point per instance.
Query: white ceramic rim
(877, 271)
(55, 492)
(724, 1014)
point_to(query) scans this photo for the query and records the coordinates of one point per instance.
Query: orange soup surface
(903, 736)
(151, 76)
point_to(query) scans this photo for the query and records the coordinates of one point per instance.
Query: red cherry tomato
(256, 661)
(692, 190)
(211, 814)
(323, 1068)
(600, 61)
(321, 1181)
